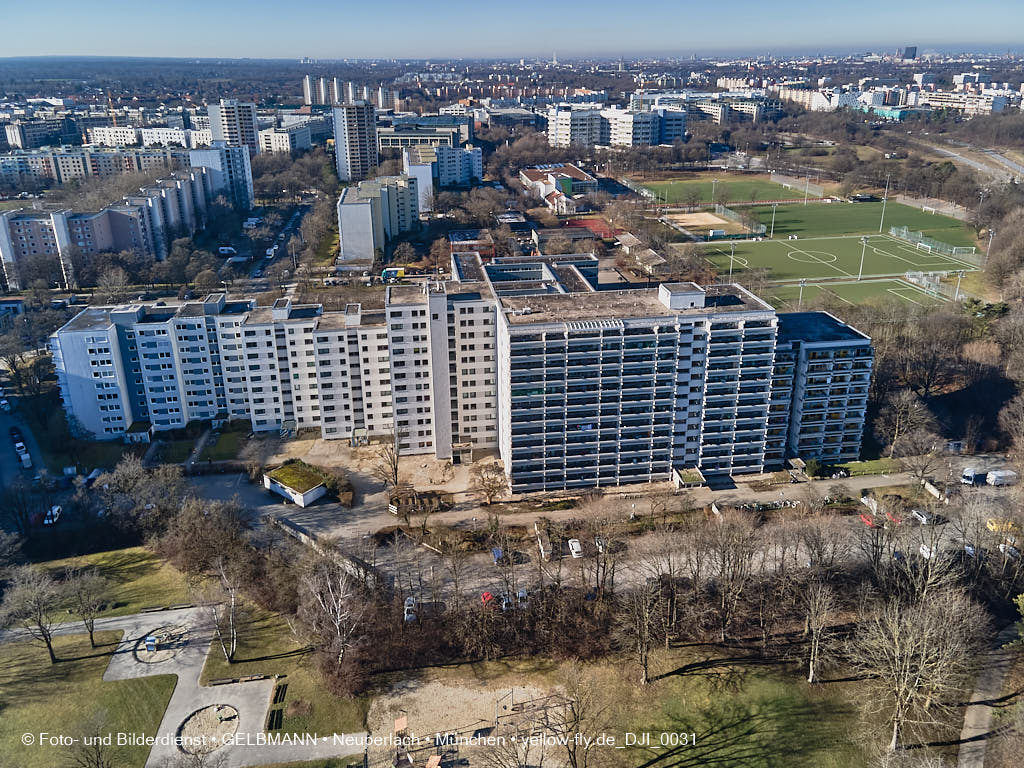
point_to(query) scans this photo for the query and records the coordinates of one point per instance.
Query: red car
(894, 518)
(868, 520)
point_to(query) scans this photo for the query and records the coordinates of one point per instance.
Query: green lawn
(267, 646)
(71, 698)
(226, 447)
(327, 249)
(874, 467)
(174, 451)
(765, 721)
(739, 188)
(833, 257)
(816, 219)
(139, 579)
(787, 298)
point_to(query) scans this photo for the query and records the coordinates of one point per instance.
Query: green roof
(297, 476)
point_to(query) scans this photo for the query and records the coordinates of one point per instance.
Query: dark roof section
(815, 327)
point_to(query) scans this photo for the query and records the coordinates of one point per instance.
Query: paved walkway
(250, 699)
(988, 689)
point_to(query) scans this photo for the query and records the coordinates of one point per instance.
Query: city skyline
(537, 30)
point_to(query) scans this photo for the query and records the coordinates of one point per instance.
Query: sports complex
(836, 249)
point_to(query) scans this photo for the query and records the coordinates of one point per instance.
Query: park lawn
(327, 249)
(267, 646)
(70, 697)
(334, 762)
(816, 219)
(738, 189)
(226, 447)
(768, 719)
(139, 579)
(757, 718)
(174, 451)
(883, 466)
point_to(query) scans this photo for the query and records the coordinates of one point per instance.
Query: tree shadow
(773, 733)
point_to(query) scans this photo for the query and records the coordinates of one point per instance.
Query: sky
(404, 29)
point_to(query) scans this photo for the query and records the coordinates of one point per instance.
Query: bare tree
(329, 606)
(386, 466)
(920, 453)
(87, 592)
(488, 480)
(32, 600)
(219, 597)
(916, 659)
(639, 621)
(585, 716)
(732, 546)
(904, 412)
(819, 604)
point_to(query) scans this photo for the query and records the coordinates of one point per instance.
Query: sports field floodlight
(863, 250)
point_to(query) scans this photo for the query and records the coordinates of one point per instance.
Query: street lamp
(959, 277)
(713, 182)
(988, 250)
(807, 186)
(800, 301)
(732, 255)
(775, 207)
(863, 250)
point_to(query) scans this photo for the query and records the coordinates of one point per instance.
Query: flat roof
(615, 305)
(87, 319)
(815, 327)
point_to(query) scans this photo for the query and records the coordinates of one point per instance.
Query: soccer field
(816, 219)
(737, 188)
(819, 258)
(787, 298)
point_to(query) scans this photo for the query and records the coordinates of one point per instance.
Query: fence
(798, 184)
(931, 283)
(967, 253)
(747, 220)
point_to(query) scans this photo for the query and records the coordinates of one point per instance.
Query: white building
(231, 174)
(114, 135)
(290, 139)
(355, 140)
(574, 387)
(444, 166)
(375, 211)
(234, 122)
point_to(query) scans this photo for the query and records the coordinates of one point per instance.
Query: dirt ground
(700, 220)
(439, 707)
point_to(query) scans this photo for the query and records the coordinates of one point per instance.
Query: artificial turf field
(787, 297)
(822, 258)
(737, 189)
(817, 219)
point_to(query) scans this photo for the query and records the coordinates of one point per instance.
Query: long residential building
(574, 386)
(144, 222)
(594, 125)
(63, 164)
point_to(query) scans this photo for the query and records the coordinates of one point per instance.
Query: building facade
(234, 122)
(355, 140)
(373, 212)
(573, 387)
(229, 172)
(289, 139)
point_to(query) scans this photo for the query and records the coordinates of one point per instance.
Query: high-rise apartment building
(575, 387)
(355, 140)
(286, 139)
(308, 94)
(230, 172)
(373, 212)
(234, 122)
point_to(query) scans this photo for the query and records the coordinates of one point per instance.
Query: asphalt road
(10, 464)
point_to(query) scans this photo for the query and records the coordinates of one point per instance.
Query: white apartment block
(289, 139)
(185, 137)
(234, 122)
(65, 164)
(572, 386)
(375, 211)
(229, 171)
(355, 140)
(114, 135)
(592, 125)
(444, 165)
(970, 104)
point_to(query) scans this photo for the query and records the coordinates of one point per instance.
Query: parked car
(1001, 525)
(53, 515)
(1009, 550)
(226, 250)
(19, 448)
(575, 548)
(1002, 477)
(869, 520)
(5, 405)
(600, 543)
(507, 601)
(893, 517)
(16, 435)
(927, 552)
(410, 609)
(522, 598)
(924, 518)
(972, 476)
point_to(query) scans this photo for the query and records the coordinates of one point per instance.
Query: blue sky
(408, 29)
